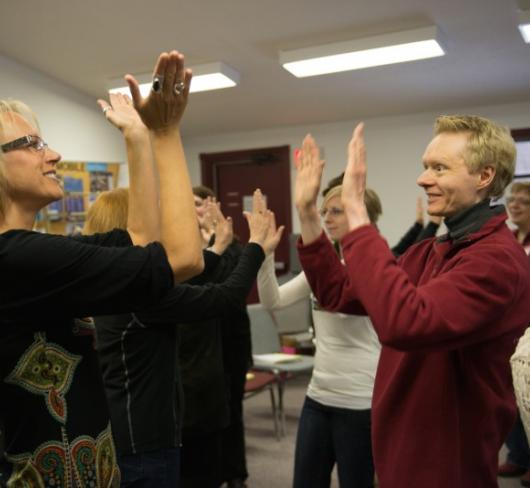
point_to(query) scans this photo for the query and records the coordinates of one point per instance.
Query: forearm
(143, 223)
(328, 277)
(187, 303)
(454, 308)
(309, 224)
(179, 232)
(273, 296)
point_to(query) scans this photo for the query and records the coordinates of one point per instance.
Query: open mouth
(431, 196)
(52, 175)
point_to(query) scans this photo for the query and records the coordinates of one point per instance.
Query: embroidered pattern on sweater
(83, 463)
(46, 369)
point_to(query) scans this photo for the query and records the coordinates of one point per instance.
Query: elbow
(185, 270)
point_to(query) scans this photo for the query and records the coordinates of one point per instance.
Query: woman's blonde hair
(7, 108)
(108, 212)
(371, 201)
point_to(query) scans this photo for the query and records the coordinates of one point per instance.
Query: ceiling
(85, 43)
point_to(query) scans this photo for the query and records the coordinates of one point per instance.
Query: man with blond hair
(448, 313)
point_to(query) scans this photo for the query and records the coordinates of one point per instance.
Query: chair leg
(281, 411)
(275, 414)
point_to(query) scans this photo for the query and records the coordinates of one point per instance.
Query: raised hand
(121, 113)
(273, 236)
(207, 222)
(262, 224)
(162, 109)
(354, 182)
(308, 177)
(224, 229)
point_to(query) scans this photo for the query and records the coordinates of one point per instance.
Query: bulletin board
(82, 183)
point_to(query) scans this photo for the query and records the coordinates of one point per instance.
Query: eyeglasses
(518, 200)
(32, 142)
(333, 211)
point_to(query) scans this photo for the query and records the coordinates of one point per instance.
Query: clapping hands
(262, 224)
(308, 177)
(162, 109)
(354, 182)
(121, 113)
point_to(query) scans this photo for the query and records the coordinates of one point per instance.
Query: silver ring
(158, 81)
(105, 109)
(179, 87)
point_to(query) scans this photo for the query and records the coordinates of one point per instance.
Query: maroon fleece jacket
(448, 315)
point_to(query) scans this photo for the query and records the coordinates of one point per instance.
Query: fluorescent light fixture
(524, 25)
(397, 47)
(210, 76)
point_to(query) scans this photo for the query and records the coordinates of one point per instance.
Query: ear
(486, 176)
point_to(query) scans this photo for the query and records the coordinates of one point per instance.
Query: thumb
(279, 232)
(135, 89)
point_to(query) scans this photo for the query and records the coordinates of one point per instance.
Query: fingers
(179, 69)
(103, 104)
(305, 155)
(160, 66)
(259, 204)
(187, 82)
(360, 146)
(297, 156)
(173, 65)
(134, 88)
(107, 109)
(356, 148)
(279, 233)
(272, 220)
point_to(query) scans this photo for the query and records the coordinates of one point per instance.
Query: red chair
(259, 381)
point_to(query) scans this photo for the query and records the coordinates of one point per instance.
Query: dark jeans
(154, 469)
(233, 459)
(329, 435)
(200, 460)
(517, 444)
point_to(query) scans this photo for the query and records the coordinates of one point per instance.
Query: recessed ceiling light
(397, 47)
(524, 25)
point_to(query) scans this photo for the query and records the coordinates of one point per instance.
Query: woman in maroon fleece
(448, 313)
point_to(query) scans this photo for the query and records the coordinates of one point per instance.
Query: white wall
(70, 121)
(395, 146)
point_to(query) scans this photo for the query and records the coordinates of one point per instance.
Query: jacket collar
(468, 224)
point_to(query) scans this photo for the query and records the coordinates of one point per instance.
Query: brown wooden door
(234, 176)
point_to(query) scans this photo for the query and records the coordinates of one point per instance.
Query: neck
(17, 218)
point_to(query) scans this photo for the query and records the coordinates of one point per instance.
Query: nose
(425, 179)
(52, 157)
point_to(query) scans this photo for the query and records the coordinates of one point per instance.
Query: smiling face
(29, 174)
(334, 218)
(449, 185)
(518, 205)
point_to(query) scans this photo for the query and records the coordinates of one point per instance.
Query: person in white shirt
(334, 425)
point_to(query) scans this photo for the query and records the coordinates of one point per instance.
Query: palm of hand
(309, 173)
(125, 116)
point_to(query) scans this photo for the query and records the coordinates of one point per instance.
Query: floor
(270, 461)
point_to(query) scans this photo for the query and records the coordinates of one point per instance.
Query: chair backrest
(263, 331)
